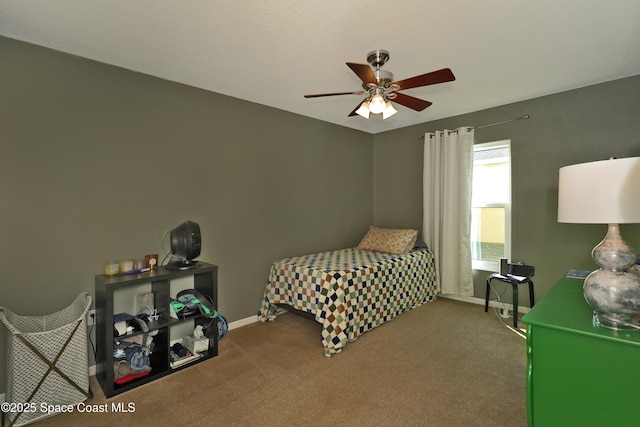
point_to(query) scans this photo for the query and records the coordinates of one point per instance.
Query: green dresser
(579, 374)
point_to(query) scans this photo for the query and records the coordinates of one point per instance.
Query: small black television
(186, 243)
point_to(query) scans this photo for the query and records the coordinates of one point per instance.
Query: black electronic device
(179, 350)
(520, 269)
(186, 243)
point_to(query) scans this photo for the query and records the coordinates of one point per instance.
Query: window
(491, 205)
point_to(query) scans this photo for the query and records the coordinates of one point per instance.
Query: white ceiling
(274, 51)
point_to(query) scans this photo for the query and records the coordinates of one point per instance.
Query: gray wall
(97, 162)
(587, 124)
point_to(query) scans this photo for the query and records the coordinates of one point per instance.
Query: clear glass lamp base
(614, 297)
(612, 291)
(615, 321)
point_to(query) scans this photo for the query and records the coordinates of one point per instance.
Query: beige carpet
(446, 363)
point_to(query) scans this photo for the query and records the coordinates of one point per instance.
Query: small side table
(514, 281)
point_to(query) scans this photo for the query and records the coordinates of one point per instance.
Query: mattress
(350, 291)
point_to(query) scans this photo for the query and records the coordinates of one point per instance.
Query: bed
(351, 291)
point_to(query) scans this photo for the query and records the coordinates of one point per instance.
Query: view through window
(491, 205)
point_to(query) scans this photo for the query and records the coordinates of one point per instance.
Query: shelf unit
(119, 294)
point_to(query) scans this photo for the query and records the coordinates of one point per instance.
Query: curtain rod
(525, 117)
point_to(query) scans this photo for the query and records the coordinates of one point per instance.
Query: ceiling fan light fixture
(363, 111)
(388, 111)
(377, 104)
(381, 87)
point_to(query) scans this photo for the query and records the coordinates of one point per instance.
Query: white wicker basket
(61, 339)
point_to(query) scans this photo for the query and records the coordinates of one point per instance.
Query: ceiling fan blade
(318, 95)
(353, 113)
(364, 71)
(432, 78)
(411, 102)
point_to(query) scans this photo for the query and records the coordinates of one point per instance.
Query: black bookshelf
(114, 294)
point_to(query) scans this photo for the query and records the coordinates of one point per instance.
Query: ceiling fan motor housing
(384, 77)
(378, 57)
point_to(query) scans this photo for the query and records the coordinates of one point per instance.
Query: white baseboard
(243, 322)
(480, 301)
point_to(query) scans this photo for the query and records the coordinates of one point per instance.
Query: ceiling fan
(381, 90)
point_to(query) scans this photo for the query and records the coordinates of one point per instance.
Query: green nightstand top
(565, 308)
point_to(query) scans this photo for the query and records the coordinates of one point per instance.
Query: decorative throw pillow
(390, 240)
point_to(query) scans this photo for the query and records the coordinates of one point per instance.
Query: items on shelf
(131, 352)
(124, 323)
(111, 268)
(135, 355)
(146, 303)
(196, 342)
(123, 373)
(189, 302)
(180, 355)
(131, 265)
(151, 261)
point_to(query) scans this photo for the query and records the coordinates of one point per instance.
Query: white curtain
(447, 175)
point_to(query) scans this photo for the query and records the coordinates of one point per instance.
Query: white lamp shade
(363, 111)
(377, 104)
(388, 111)
(603, 192)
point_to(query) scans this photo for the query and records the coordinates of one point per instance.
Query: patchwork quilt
(350, 291)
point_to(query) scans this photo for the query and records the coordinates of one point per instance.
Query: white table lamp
(606, 192)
